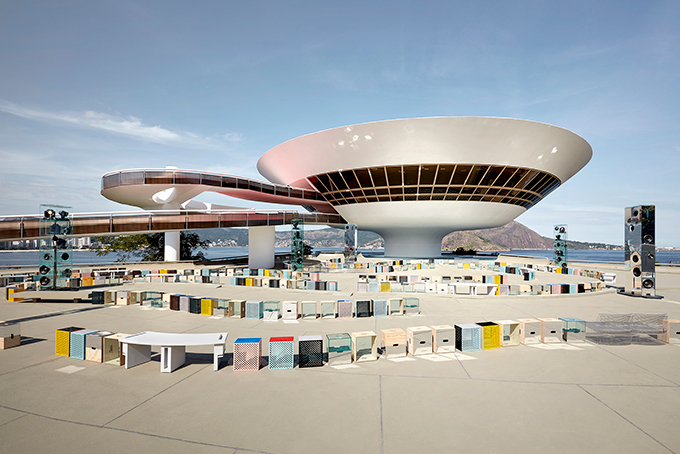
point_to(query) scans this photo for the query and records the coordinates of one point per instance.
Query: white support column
(261, 247)
(171, 253)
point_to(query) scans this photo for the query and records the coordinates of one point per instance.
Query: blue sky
(90, 87)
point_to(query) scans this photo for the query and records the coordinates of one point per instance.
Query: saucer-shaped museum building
(412, 181)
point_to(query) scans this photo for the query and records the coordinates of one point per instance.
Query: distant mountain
(512, 236)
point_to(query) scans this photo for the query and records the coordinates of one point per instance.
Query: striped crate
(247, 353)
(63, 340)
(207, 306)
(281, 352)
(77, 344)
(468, 337)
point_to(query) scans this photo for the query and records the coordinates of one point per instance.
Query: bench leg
(136, 354)
(218, 353)
(172, 358)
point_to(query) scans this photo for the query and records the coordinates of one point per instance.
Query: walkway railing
(96, 224)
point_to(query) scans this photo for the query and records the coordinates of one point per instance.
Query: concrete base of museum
(261, 247)
(172, 246)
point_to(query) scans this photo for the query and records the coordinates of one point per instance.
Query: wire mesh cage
(281, 352)
(380, 308)
(468, 337)
(254, 310)
(247, 354)
(491, 335)
(364, 308)
(310, 351)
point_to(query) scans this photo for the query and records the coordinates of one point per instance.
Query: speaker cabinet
(560, 245)
(640, 250)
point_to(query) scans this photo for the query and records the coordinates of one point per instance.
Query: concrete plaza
(542, 398)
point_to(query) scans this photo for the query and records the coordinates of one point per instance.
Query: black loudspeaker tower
(560, 245)
(56, 248)
(350, 243)
(297, 245)
(640, 250)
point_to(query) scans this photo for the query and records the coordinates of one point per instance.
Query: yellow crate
(13, 291)
(466, 266)
(206, 306)
(559, 270)
(491, 336)
(249, 282)
(87, 281)
(62, 344)
(163, 272)
(385, 287)
(498, 279)
(267, 273)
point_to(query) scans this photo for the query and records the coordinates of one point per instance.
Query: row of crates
(90, 345)
(417, 279)
(275, 282)
(479, 289)
(355, 347)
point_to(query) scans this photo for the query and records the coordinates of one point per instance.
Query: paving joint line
(625, 419)
(30, 365)
(164, 437)
(154, 396)
(637, 365)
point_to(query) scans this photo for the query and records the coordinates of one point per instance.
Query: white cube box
(509, 332)
(551, 330)
(419, 340)
(289, 310)
(443, 338)
(530, 331)
(122, 298)
(462, 289)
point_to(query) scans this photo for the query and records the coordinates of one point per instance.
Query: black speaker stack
(560, 245)
(640, 250)
(297, 246)
(56, 248)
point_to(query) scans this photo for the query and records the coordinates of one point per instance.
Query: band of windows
(462, 182)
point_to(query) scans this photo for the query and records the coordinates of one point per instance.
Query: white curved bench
(137, 347)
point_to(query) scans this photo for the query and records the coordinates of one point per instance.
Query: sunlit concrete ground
(565, 398)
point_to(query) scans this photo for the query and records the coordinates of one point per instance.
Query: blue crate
(380, 308)
(254, 309)
(77, 342)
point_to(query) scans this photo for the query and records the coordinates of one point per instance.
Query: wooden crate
(122, 298)
(112, 352)
(10, 335)
(419, 340)
(551, 330)
(364, 346)
(237, 308)
(396, 306)
(672, 331)
(308, 309)
(393, 342)
(443, 338)
(509, 332)
(529, 331)
(94, 346)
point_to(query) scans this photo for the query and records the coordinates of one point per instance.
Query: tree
(149, 247)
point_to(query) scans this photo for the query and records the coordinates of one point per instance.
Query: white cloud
(129, 126)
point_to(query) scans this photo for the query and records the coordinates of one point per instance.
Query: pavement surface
(542, 398)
